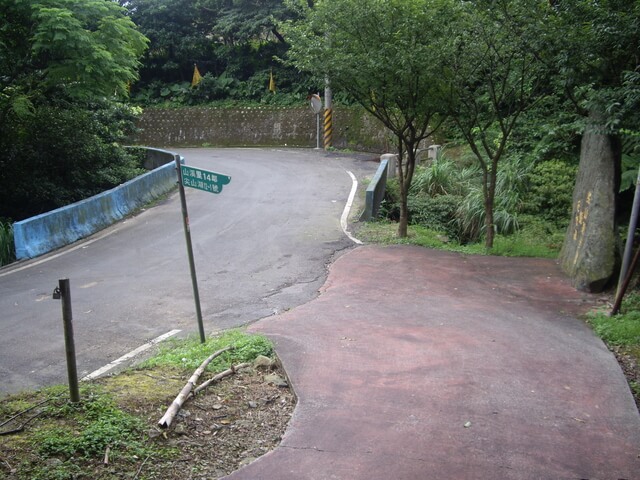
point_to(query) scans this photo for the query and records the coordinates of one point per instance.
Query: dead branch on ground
(175, 406)
(220, 376)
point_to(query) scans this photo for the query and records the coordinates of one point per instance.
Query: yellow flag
(197, 78)
(272, 83)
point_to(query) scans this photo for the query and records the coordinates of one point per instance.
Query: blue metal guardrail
(46, 232)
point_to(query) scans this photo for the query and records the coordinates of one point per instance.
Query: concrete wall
(44, 233)
(375, 192)
(353, 128)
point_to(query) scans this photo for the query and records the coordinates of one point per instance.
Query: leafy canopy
(82, 49)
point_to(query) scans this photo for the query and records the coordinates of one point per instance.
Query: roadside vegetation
(532, 206)
(7, 249)
(112, 432)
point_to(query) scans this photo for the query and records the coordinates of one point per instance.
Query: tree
(180, 34)
(230, 40)
(494, 76)
(78, 49)
(386, 55)
(598, 61)
(62, 65)
(240, 21)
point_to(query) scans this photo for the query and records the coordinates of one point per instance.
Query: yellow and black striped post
(328, 127)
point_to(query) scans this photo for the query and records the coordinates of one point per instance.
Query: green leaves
(86, 48)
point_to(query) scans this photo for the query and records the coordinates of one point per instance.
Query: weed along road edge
(260, 248)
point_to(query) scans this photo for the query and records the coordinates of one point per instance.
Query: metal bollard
(63, 292)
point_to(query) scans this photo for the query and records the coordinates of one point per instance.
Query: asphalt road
(261, 247)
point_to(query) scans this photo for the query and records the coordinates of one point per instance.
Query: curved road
(261, 247)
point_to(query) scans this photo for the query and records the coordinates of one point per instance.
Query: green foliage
(189, 354)
(436, 213)
(236, 44)
(84, 49)
(447, 197)
(510, 187)
(551, 191)
(89, 427)
(62, 64)
(444, 176)
(596, 45)
(524, 243)
(7, 247)
(63, 154)
(622, 329)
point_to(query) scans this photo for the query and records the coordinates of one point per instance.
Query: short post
(64, 293)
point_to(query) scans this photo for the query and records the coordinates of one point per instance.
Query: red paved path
(405, 346)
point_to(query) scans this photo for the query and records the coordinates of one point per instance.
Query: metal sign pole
(187, 234)
(316, 106)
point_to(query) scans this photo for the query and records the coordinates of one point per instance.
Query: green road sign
(203, 179)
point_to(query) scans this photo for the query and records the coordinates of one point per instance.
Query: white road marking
(347, 208)
(129, 356)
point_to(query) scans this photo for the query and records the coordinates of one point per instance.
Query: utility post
(328, 115)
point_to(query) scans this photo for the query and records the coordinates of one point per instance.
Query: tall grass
(7, 248)
(462, 183)
(511, 187)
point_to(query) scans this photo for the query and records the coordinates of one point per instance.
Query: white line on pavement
(347, 208)
(129, 355)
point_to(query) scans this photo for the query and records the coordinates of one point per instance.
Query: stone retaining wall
(353, 128)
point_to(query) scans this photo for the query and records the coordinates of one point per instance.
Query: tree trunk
(590, 249)
(405, 178)
(403, 223)
(489, 203)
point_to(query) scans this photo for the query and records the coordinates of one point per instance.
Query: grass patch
(621, 333)
(190, 353)
(622, 329)
(524, 243)
(66, 441)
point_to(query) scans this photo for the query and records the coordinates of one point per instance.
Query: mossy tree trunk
(590, 251)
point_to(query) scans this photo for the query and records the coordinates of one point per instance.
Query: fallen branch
(175, 406)
(20, 428)
(106, 455)
(220, 376)
(140, 469)
(24, 411)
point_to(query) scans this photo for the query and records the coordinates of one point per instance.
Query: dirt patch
(228, 425)
(225, 427)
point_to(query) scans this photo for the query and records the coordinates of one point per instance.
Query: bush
(62, 154)
(551, 191)
(511, 187)
(435, 213)
(7, 248)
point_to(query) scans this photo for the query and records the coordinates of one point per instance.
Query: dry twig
(175, 406)
(220, 376)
